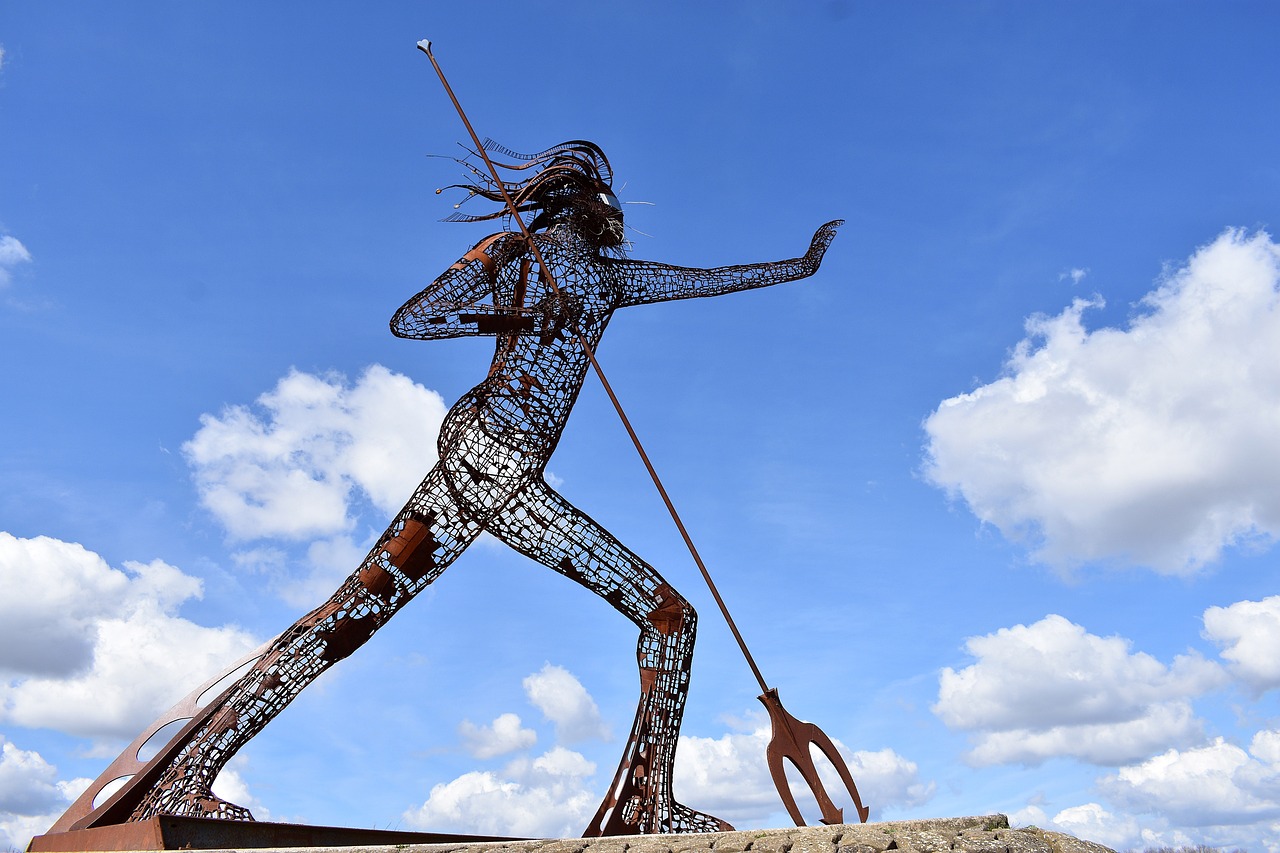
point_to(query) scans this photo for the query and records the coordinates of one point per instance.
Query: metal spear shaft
(425, 47)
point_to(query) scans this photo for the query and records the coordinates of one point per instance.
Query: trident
(791, 739)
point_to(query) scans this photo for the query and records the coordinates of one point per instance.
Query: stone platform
(985, 834)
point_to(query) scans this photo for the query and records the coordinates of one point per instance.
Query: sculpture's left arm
(650, 281)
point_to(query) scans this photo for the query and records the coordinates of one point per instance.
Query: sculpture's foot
(216, 807)
(685, 819)
(630, 817)
(197, 804)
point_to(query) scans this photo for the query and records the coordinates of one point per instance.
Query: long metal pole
(425, 47)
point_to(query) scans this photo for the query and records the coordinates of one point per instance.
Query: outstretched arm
(463, 302)
(650, 281)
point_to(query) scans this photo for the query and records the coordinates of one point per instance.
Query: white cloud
(1249, 632)
(1076, 274)
(16, 831)
(28, 783)
(1265, 746)
(1215, 785)
(728, 777)
(1113, 828)
(291, 467)
(563, 700)
(1053, 689)
(231, 786)
(548, 797)
(1108, 744)
(313, 577)
(1092, 822)
(329, 561)
(1154, 444)
(264, 560)
(884, 778)
(1029, 815)
(54, 594)
(94, 651)
(551, 795)
(502, 736)
(31, 796)
(12, 252)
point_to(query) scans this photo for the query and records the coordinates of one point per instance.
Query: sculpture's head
(570, 185)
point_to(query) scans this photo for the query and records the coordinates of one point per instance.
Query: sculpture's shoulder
(579, 268)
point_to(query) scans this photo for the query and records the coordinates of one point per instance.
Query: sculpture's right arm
(462, 301)
(652, 281)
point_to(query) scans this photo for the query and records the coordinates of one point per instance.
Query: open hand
(821, 240)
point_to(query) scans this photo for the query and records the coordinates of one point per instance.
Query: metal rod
(425, 47)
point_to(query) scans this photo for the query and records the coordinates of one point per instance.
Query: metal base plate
(197, 833)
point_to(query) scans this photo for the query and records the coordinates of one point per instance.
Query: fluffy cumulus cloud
(1052, 689)
(549, 796)
(12, 252)
(93, 650)
(231, 786)
(1217, 784)
(1249, 633)
(291, 465)
(564, 701)
(556, 793)
(504, 735)
(1121, 830)
(28, 783)
(31, 796)
(1214, 795)
(728, 777)
(1153, 444)
(1093, 822)
(552, 795)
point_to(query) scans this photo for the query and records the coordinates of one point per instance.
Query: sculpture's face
(600, 219)
(612, 200)
(589, 208)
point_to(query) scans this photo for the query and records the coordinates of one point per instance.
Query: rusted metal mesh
(494, 446)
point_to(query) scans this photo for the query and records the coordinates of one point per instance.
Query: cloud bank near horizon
(1052, 690)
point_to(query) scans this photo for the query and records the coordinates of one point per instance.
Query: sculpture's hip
(487, 456)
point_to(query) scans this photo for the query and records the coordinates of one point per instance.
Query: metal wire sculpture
(494, 446)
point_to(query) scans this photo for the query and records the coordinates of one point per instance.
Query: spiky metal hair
(565, 175)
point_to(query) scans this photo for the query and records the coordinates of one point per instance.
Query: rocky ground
(987, 834)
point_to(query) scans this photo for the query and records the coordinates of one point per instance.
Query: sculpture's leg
(427, 535)
(546, 527)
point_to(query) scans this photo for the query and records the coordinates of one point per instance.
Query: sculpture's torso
(535, 378)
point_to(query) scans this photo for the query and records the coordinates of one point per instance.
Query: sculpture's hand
(818, 246)
(557, 312)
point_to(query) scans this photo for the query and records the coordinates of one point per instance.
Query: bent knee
(671, 613)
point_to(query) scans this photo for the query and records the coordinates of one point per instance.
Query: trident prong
(791, 740)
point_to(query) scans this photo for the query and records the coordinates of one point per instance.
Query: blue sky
(994, 496)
